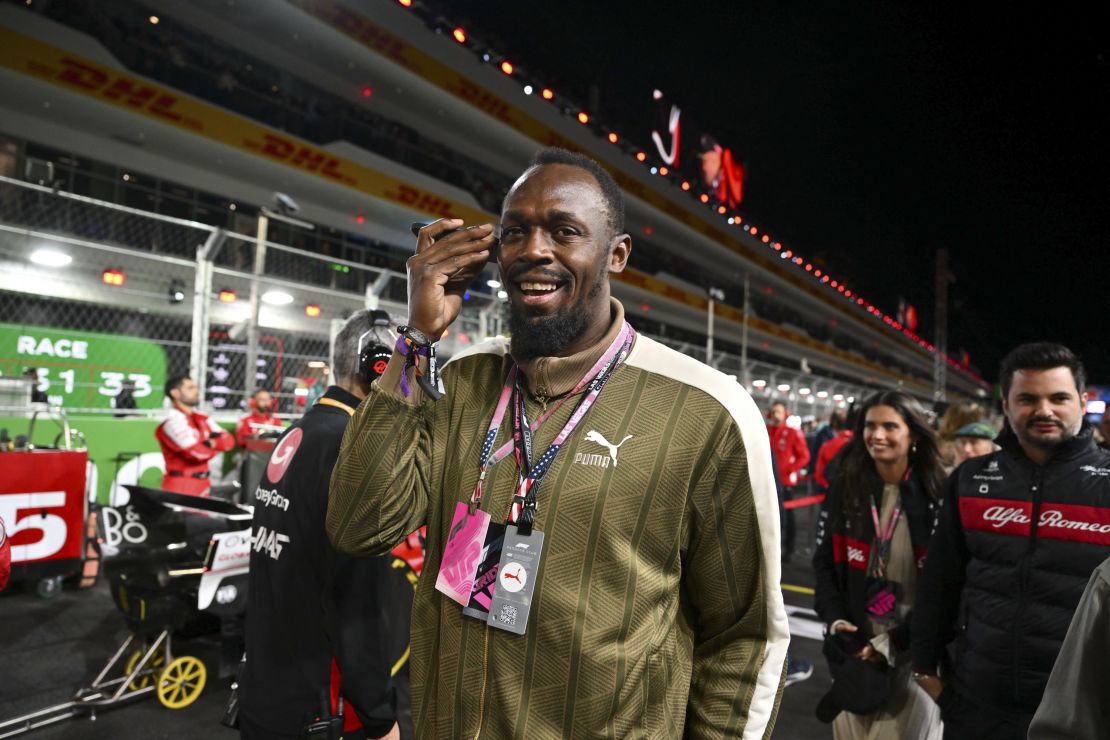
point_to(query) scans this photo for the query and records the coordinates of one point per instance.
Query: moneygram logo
(282, 455)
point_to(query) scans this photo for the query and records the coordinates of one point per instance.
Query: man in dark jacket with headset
(1020, 533)
(319, 623)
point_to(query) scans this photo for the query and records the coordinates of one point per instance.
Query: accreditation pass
(516, 580)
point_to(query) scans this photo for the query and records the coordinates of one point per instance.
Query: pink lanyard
(886, 536)
(601, 371)
(883, 537)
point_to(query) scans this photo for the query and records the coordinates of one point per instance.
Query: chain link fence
(101, 303)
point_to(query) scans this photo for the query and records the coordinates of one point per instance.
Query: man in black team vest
(1019, 535)
(320, 623)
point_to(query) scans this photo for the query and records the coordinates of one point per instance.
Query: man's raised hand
(448, 258)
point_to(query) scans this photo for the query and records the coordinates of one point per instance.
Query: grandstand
(142, 142)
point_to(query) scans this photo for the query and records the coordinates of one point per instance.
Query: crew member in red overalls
(189, 440)
(262, 413)
(791, 454)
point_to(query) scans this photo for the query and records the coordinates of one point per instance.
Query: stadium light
(312, 311)
(641, 156)
(113, 276)
(612, 138)
(583, 117)
(527, 89)
(547, 93)
(459, 34)
(507, 67)
(226, 295)
(50, 258)
(277, 298)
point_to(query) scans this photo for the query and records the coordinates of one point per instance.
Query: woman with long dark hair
(871, 543)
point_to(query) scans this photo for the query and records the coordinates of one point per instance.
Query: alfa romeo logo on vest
(1000, 516)
(283, 455)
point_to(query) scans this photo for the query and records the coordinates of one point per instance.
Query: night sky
(875, 133)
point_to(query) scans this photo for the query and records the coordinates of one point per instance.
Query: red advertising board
(42, 502)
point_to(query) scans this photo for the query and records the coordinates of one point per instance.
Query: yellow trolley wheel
(156, 662)
(181, 682)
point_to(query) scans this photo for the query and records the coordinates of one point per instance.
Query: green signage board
(83, 369)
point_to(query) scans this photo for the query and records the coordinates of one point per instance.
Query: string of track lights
(508, 68)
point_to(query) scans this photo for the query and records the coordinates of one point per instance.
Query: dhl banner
(71, 72)
(141, 96)
(384, 42)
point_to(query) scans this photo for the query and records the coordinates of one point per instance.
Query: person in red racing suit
(262, 413)
(189, 440)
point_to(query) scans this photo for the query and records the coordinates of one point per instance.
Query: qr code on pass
(507, 615)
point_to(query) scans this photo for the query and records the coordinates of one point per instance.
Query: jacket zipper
(1023, 582)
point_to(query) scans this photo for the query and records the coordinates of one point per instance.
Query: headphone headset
(372, 356)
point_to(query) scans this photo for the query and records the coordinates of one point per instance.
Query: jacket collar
(336, 393)
(1075, 447)
(550, 377)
